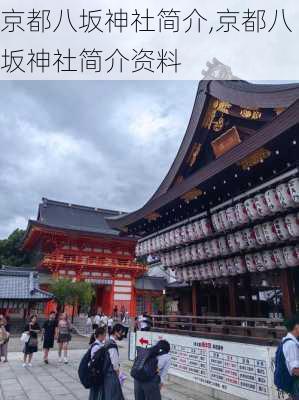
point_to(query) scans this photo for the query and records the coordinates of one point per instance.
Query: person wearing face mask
(112, 387)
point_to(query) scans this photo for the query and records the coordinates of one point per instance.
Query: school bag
(92, 371)
(282, 378)
(145, 366)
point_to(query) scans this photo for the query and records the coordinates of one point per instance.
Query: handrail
(209, 317)
(240, 329)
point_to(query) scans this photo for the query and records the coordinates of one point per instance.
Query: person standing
(64, 329)
(126, 323)
(49, 333)
(145, 322)
(100, 337)
(32, 328)
(151, 390)
(115, 312)
(88, 325)
(104, 320)
(96, 321)
(290, 358)
(4, 338)
(112, 388)
(110, 324)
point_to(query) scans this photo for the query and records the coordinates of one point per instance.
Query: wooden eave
(273, 129)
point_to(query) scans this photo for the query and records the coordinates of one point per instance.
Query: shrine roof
(21, 284)
(255, 113)
(63, 215)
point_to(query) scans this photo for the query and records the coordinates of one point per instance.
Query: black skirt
(30, 348)
(48, 342)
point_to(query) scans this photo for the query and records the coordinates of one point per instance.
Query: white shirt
(143, 322)
(95, 347)
(163, 365)
(104, 320)
(110, 322)
(114, 356)
(97, 319)
(291, 352)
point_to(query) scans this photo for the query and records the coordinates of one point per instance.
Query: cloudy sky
(103, 144)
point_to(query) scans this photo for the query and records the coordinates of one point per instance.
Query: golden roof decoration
(250, 114)
(194, 154)
(279, 110)
(214, 106)
(153, 216)
(192, 194)
(254, 158)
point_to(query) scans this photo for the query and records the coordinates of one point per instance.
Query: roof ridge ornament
(216, 70)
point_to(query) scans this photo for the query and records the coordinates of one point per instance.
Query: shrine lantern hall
(75, 242)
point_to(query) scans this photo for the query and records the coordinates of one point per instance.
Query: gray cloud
(104, 144)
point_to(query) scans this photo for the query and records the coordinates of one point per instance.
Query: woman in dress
(49, 332)
(32, 328)
(4, 337)
(64, 329)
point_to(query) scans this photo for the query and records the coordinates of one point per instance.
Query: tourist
(32, 328)
(4, 338)
(99, 341)
(96, 321)
(122, 312)
(290, 349)
(88, 325)
(110, 324)
(112, 387)
(136, 324)
(64, 336)
(104, 320)
(151, 390)
(126, 323)
(115, 312)
(49, 332)
(145, 322)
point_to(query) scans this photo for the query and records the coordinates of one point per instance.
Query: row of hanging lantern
(184, 234)
(271, 232)
(277, 199)
(284, 196)
(285, 257)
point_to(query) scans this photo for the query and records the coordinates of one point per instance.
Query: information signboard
(240, 369)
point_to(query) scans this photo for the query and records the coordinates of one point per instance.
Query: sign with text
(236, 368)
(130, 39)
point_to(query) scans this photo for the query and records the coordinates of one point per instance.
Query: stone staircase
(79, 325)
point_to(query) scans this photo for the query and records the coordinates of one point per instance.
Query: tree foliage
(78, 294)
(10, 252)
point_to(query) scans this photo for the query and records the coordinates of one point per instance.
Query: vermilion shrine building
(75, 242)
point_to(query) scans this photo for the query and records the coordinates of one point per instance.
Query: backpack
(145, 366)
(282, 378)
(92, 371)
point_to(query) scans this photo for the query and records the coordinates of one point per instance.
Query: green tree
(10, 251)
(62, 289)
(77, 294)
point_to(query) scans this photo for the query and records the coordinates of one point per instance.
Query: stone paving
(59, 381)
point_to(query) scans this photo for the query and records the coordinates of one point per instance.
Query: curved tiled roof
(18, 284)
(238, 93)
